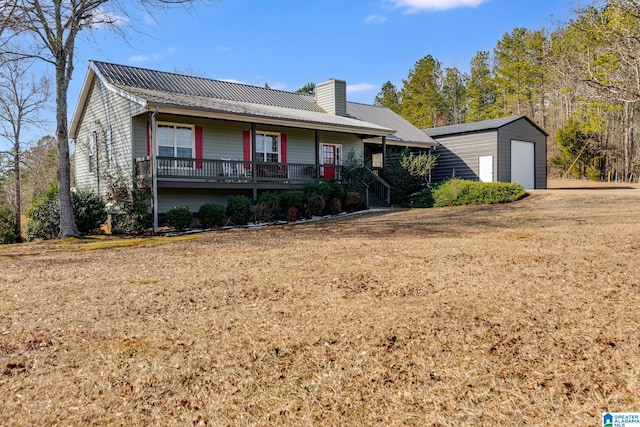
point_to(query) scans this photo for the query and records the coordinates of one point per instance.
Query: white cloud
(360, 87)
(413, 6)
(147, 58)
(151, 57)
(375, 19)
(233, 81)
(101, 18)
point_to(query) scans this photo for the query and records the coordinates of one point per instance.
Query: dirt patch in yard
(518, 314)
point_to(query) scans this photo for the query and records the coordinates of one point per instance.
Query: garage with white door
(512, 149)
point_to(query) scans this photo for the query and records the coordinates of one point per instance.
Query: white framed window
(91, 145)
(268, 147)
(176, 140)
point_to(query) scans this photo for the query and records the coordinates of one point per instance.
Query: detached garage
(512, 149)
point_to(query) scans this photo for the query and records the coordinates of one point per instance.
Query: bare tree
(22, 98)
(50, 29)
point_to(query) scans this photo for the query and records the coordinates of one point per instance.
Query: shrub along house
(201, 140)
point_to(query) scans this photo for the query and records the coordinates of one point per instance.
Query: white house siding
(458, 155)
(105, 110)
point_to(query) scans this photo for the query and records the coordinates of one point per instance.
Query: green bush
(462, 192)
(89, 210)
(129, 209)
(326, 190)
(212, 214)
(291, 198)
(323, 189)
(334, 206)
(261, 213)
(270, 199)
(43, 216)
(336, 190)
(238, 209)
(423, 199)
(179, 217)
(315, 204)
(354, 172)
(8, 233)
(407, 173)
(353, 202)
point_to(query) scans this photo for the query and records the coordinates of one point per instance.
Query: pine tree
(422, 101)
(388, 97)
(481, 90)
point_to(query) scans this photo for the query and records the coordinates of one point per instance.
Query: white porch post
(154, 171)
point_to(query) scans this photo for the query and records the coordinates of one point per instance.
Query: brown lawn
(520, 314)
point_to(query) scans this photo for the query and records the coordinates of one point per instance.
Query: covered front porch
(227, 173)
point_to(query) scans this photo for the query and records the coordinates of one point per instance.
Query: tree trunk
(16, 171)
(68, 227)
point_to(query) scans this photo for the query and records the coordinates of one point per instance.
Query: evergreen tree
(481, 90)
(308, 89)
(422, 101)
(388, 97)
(519, 70)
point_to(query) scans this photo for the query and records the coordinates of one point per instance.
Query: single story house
(200, 140)
(512, 149)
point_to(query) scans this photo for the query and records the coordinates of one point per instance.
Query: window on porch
(268, 147)
(175, 140)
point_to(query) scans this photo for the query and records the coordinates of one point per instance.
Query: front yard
(516, 314)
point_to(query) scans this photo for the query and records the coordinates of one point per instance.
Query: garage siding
(522, 130)
(458, 155)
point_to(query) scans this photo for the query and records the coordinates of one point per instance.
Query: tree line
(580, 82)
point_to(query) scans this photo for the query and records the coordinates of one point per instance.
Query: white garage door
(523, 164)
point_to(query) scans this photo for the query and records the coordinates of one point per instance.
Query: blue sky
(288, 43)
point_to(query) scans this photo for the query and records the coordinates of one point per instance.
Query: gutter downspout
(154, 171)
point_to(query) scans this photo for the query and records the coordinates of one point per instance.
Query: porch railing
(229, 170)
(379, 186)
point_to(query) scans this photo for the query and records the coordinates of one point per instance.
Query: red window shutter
(283, 150)
(198, 146)
(148, 139)
(247, 148)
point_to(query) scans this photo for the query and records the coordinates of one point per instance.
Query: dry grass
(520, 314)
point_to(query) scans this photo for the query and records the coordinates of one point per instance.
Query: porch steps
(374, 201)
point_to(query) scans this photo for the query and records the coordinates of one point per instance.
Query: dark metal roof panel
(484, 125)
(127, 76)
(404, 131)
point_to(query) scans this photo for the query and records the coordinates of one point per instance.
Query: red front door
(329, 161)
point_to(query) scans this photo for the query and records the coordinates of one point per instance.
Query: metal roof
(484, 125)
(405, 131)
(141, 78)
(211, 97)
